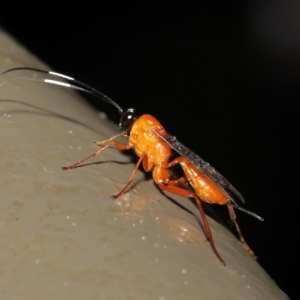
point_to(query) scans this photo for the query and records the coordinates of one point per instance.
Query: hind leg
(233, 220)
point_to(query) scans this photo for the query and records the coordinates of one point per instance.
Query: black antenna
(80, 85)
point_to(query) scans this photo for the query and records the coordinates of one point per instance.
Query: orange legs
(119, 146)
(213, 198)
(233, 220)
(130, 179)
(85, 159)
(110, 142)
(161, 177)
(186, 193)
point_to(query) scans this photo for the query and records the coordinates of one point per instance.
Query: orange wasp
(153, 145)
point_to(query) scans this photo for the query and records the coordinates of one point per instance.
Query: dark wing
(201, 165)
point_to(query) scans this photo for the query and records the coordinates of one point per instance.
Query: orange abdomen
(205, 189)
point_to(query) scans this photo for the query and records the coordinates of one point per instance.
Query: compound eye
(127, 120)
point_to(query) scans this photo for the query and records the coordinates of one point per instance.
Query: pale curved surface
(61, 237)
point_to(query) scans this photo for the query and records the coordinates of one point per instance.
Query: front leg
(109, 142)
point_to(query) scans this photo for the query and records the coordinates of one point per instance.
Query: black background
(223, 78)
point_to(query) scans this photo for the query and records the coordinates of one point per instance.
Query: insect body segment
(153, 145)
(205, 188)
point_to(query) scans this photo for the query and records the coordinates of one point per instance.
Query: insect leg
(180, 180)
(86, 158)
(116, 144)
(233, 220)
(144, 156)
(163, 184)
(108, 140)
